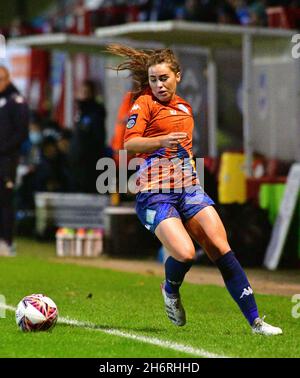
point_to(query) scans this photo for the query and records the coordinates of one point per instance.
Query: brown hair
(138, 62)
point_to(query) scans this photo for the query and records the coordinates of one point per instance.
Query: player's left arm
(19, 116)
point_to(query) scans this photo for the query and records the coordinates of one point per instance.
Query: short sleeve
(138, 119)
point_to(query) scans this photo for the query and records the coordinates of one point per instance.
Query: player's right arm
(144, 145)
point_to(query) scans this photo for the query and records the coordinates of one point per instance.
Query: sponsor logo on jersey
(183, 108)
(246, 291)
(131, 121)
(135, 107)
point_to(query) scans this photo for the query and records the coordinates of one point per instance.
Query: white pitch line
(145, 339)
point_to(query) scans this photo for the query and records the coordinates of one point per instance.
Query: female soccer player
(170, 201)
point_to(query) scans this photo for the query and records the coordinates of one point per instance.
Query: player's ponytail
(138, 62)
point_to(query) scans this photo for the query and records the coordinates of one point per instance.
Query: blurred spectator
(88, 140)
(48, 175)
(201, 10)
(63, 144)
(258, 16)
(30, 158)
(166, 9)
(226, 13)
(14, 119)
(18, 28)
(245, 13)
(51, 128)
(241, 10)
(30, 149)
(35, 134)
(145, 9)
(44, 166)
(68, 16)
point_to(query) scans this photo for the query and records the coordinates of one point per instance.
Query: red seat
(283, 17)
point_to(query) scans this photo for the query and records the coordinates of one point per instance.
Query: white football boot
(7, 250)
(260, 327)
(173, 307)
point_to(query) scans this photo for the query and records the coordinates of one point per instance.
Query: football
(36, 312)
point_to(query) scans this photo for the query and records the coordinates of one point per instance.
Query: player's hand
(171, 140)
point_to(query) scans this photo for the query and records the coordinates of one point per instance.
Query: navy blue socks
(238, 285)
(234, 277)
(175, 271)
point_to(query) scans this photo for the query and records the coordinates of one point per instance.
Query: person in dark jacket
(14, 120)
(88, 140)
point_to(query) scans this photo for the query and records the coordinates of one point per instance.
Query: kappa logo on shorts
(150, 216)
(131, 121)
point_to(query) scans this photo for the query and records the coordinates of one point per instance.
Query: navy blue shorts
(152, 208)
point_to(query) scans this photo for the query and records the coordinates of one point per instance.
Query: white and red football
(36, 312)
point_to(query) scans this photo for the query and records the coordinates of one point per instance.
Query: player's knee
(222, 245)
(217, 247)
(187, 254)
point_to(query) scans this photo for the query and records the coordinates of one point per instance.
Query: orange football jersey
(165, 167)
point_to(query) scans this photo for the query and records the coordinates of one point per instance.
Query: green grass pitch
(130, 303)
